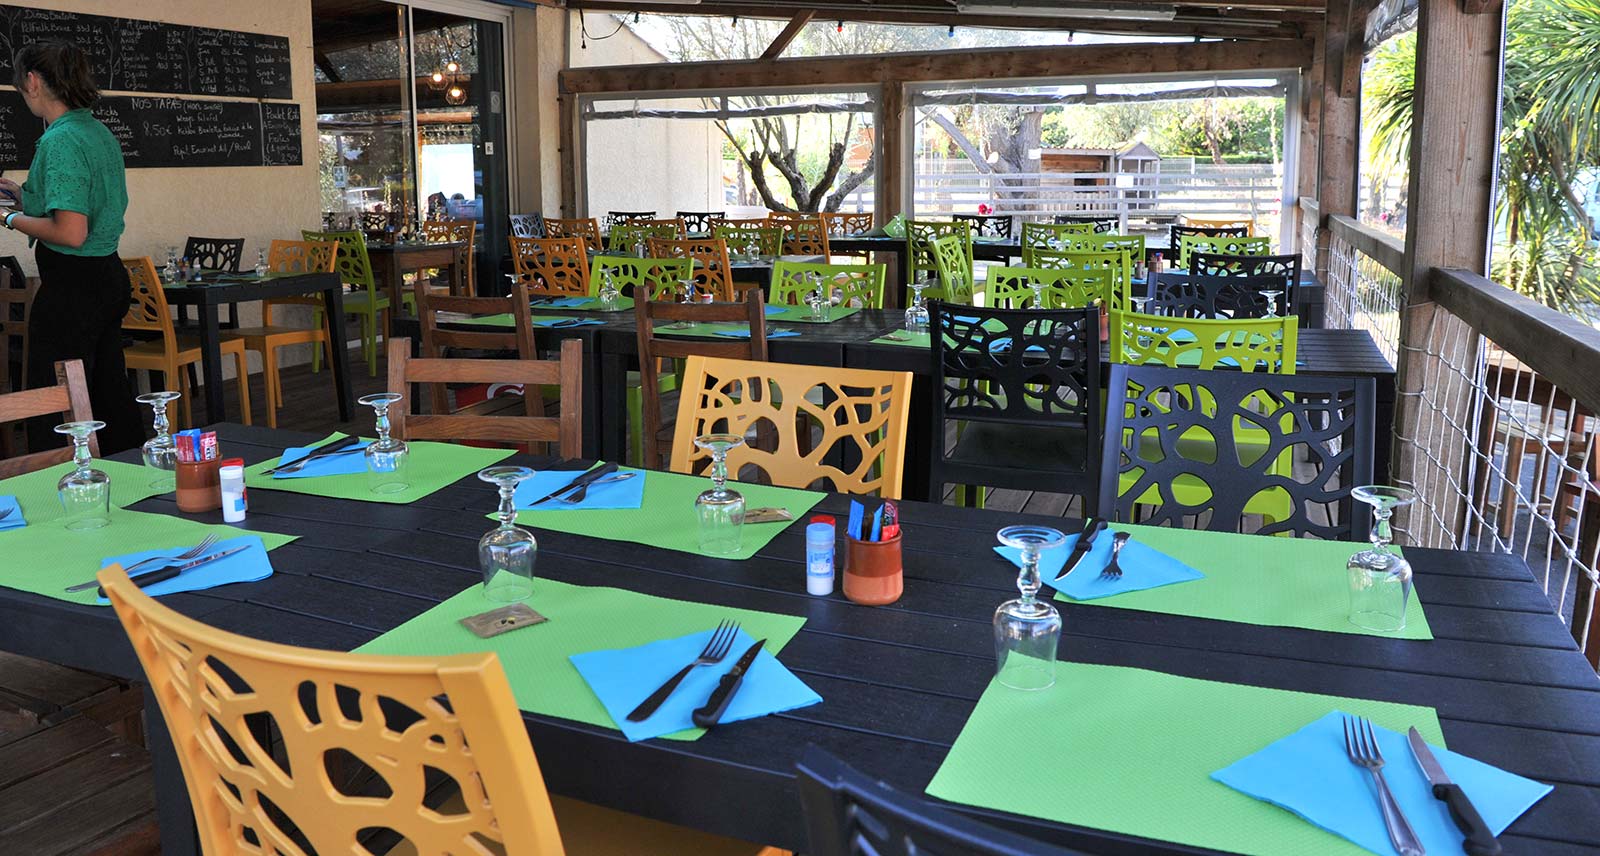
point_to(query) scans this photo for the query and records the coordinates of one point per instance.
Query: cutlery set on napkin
(605, 486)
(1097, 563)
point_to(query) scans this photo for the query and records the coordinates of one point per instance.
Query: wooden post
(1306, 177)
(896, 170)
(792, 29)
(1454, 145)
(569, 128)
(1339, 126)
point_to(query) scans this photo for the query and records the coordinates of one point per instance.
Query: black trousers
(77, 315)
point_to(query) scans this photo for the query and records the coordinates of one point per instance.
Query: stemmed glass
(686, 286)
(85, 492)
(1139, 304)
(608, 291)
(1038, 293)
(506, 555)
(917, 313)
(261, 263)
(169, 273)
(160, 452)
(387, 457)
(1026, 630)
(720, 509)
(1272, 302)
(815, 299)
(1380, 579)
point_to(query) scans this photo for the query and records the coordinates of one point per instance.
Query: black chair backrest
(1237, 438)
(1219, 264)
(528, 225)
(617, 218)
(218, 254)
(1102, 225)
(1177, 232)
(1186, 295)
(848, 814)
(700, 221)
(987, 225)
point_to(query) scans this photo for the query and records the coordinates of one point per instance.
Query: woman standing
(71, 209)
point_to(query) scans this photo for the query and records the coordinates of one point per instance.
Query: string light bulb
(840, 28)
(952, 31)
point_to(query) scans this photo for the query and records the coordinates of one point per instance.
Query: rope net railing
(1363, 293)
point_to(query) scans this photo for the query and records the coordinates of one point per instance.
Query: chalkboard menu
(130, 55)
(171, 132)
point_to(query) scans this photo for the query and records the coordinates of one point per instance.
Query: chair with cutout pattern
(855, 285)
(713, 273)
(1060, 288)
(556, 267)
(987, 225)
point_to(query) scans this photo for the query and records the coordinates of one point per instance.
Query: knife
(1081, 549)
(707, 716)
(335, 447)
(170, 571)
(597, 473)
(1480, 840)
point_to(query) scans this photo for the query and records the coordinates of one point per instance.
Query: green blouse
(78, 167)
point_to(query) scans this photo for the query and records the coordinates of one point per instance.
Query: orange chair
(552, 266)
(712, 271)
(148, 312)
(288, 257)
(586, 228)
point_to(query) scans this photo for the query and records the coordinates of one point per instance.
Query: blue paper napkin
(1309, 774)
(623, 677)
(245, 567)
(769, 310)
(14, 520)
(566, 322)
(628, 493)
(332, 465)
(1143, 567)
(744, 333)
(1003, 344)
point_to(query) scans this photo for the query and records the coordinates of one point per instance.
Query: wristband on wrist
(9, 218)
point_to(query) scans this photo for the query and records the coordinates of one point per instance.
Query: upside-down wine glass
(917, 313)
(686, 287)
(85, 492)
(160, 452)
(387, 457)
(1380, 579)
(1272, 302)
(1139, 304)
(507, 553)
(720, 509)
(1038, 293)
(609, 294)
(1027, 629)
(815, 299)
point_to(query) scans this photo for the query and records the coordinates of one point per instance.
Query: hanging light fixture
(437, 81)
(455, 95)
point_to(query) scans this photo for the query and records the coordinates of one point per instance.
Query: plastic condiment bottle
(234, 498)
(819, 555)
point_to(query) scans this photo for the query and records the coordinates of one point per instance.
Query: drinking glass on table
(609, 294)
(686, 288)
(1380, 579)
(1026, 630)
(1140, 305)
(506, 555)
(1272, 302)
(85, 492)
(815, 299)
(387, 457)
(917, 313)
(1038, 293)
(160, 452)
(720, 509)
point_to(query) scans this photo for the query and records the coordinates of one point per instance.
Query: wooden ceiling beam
(973, 64)
(901, 12)
(790, 30)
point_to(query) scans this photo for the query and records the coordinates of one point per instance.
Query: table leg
(333, 308)
(211, 365)
(1384, 417)
(174, 813)
(919, 450)
(593, 419)
(610, 386)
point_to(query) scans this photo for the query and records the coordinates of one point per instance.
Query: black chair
(987, 225)
(699, 222)
(851, 814)
(527, 225)
(217, 255)
(1185, 295)
(617, 218)
(1286, 268)
(1102, 225)
(1226, 441)
(1024, 384)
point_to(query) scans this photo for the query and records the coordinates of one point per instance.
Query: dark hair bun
(62, 66)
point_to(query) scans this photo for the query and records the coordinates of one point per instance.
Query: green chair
(768, 240)
(952, 260)
(1060, 288)
(1116, 262)
(625, 237)
(861, 285)
(1220, 244)
(1045, 236)
(641, 279)
(362, 299)
(1133, 245)
(920, 235)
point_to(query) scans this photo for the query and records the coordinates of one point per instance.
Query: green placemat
(1132, 751)
(45, 558)
(904, 339)
(432, 466)
(803, 313)
(709, 331)
(504, 319)
(667, 518)
(36, 491)
(1256, 579)
(592, 304)
(582, 618)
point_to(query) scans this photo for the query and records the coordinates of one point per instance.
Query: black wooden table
(241, 288)
(898, 682)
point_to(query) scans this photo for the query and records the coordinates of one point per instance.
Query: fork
(582, 492)
(1362, 746)
(1113, 571)
(716, 648)
(205, 544)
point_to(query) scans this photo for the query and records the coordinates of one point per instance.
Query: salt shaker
(819, 556)
(234, 498)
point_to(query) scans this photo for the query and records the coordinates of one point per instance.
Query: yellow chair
(330, 708)
(804, 236)
(288, 257)
(1060, 288)
(859, 285)
(860, 410)
(465, 232)
(586, 228)
(552, 266)
(148, 312)
(713, 273)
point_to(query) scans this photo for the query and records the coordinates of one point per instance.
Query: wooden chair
(466, 232)
(13, 330)
(551, 266)
(712, 271)
(780, 218)
(805, 236)
(519, 339)
(859, 285)
(586, 228)
(70, 396)
(859, 413)
(172, 351)
(288, 257)
(459, 727)
(567, 373)
(654, 348)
